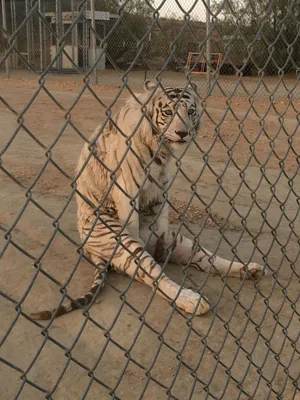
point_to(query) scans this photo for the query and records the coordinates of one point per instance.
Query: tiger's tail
(80, 302)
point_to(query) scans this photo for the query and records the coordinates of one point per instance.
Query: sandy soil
(243, 175)
(221, 85)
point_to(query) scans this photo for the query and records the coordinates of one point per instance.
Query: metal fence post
(73, 34)
(85, 37)
(28, 33)
(13, 29)
(92, 3)
(208, 47)
(4, 21)
(148, 49)
(41, 37)
(59, 30)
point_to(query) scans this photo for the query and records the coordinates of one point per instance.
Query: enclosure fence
(232, 48)
(247, 346)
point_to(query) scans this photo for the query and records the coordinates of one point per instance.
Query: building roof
(67, 16)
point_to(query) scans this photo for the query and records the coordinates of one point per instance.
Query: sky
(170, 8)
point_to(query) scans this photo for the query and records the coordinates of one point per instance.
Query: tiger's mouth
(176, 141)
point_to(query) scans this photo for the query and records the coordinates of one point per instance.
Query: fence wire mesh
(235, 190)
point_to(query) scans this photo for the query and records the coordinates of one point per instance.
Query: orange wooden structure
(201, 64)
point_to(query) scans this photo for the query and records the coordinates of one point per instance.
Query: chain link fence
(235, 190)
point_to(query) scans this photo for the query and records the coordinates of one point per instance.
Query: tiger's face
(175, 114)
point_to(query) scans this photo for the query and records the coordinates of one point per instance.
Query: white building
(83, 43)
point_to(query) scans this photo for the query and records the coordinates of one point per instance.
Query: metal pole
(41, 39)
(59, 30)
(85, 41)
(32, 41)
(208, 47)
(45, 59)
(94, 40)
(13, 29)
(12, 25)
(4, 23)
(73, 34)
(147, 55)
(28, 34)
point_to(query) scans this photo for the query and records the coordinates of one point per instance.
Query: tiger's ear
(194, 86)
(149, 86)
(195, 89)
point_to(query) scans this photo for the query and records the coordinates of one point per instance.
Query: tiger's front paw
(253, 271)
(188, 301)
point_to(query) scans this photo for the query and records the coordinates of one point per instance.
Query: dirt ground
(243, 176)
(222, 85)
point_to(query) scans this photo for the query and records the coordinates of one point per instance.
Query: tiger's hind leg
(139, 263)
(129, 257)
(183, 251)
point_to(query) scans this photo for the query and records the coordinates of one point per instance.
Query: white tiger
(122, 199)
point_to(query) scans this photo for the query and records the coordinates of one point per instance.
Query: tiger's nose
(182, 134)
